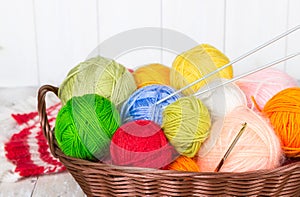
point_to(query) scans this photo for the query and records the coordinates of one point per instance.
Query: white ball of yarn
(222, 100)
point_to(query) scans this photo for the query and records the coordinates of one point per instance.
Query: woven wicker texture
(99, 179)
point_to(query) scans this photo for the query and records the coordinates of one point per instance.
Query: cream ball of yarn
(98, 75)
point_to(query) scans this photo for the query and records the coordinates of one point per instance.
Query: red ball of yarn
(140, 143)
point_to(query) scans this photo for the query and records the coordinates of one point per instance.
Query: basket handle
(48, 133)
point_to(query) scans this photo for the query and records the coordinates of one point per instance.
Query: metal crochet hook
(231, 147)
(248, 73)
(232, 62)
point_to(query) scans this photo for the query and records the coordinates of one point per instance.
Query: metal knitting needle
(248, 73)
(232, 62)
(231, 147)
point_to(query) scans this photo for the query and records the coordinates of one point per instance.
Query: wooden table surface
(61, 184)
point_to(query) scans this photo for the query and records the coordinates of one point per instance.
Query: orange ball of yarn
(283, 110)
(152, 74)
(184, 163)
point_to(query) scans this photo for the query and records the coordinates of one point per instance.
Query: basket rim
(293, 165)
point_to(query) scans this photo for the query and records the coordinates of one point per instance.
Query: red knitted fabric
(28, 149)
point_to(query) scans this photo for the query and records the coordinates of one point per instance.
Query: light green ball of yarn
(101, 76)
(85, 126)
(186, 124)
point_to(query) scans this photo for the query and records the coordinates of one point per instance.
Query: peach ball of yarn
(283, 111)
(152, 74)
(258, 148)
(263, 85)
(198, 62)
(183, 163)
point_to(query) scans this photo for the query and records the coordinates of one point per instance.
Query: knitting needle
(232, 62)
(249, 73)
(231, 147)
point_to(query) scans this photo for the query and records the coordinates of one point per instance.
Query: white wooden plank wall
(116, 16)
(18, 54)
(201, 20)
(250, 23)
(40, 41)
(293, 41)
(66, 33)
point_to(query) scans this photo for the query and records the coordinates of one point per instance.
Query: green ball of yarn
(85, 126)
(101, 76)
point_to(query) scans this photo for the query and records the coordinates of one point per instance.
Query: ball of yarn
(183, 163)
(141, 105)
(186, 124)
(258, 147)
(198, 62)
(283, 111)
(101, 76)
(222, 100)
(152, 74)
(263, 85)
(85, 125)
(140, 143)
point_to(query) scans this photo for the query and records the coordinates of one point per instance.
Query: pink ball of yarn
(258, 148)
(263, 85)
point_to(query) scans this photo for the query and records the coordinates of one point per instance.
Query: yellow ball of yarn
(101, 76)
(186, 124)
(198, 62)
(152, 74)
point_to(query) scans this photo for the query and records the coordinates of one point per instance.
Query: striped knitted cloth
(28, 149)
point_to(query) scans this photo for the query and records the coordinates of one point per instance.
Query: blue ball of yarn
(141, 104)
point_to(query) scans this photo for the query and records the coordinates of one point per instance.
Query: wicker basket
(99, 179)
